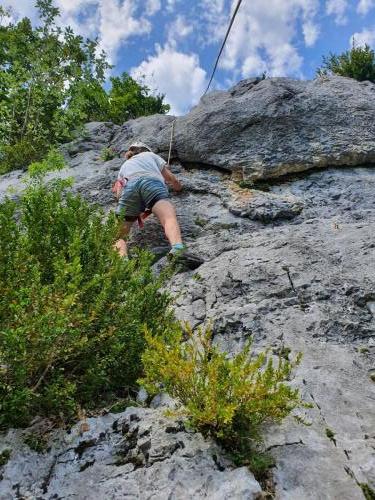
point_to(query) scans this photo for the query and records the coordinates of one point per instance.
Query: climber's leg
(120, 244)
(130, 205)
(166, 213)
(182, 259)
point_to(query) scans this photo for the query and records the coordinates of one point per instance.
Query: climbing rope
(213, 72)
(171, 142)
(223, 44)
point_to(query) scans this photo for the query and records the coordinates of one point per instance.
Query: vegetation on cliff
(51, 82)
(228, 398)
(80, 325)
(72, 312)
(357, 63)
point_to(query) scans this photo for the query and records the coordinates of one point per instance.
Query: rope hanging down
(223, 44)
(171, 142)
(212, 76)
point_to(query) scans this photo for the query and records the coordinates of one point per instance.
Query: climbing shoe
(183, 260)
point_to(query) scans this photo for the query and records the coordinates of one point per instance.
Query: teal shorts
(140, 194)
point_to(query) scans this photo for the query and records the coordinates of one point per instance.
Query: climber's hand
(177, 186)
(171, 179)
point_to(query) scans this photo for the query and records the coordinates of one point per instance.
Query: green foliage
(199, 221)
(129, 99)
(107, 154)
(52, 162)
(197, 277)
(331, 435)
(51, 82)
(4, 456)
(368, 492)
(72, 312)
(228, 399)
(36, 442)
(357, 63)
(258, 462)
(246, 184)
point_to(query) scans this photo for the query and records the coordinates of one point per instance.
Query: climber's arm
(171, 179)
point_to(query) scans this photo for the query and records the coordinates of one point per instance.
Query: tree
(357, 63)
(51, 82)
(129, 99)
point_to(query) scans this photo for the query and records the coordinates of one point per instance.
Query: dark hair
(136, 150)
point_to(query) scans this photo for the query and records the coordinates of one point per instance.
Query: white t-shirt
(145, 164)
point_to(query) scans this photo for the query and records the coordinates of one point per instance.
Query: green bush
(72, 312)
(357, 63)
(107, 154)
(227, 398)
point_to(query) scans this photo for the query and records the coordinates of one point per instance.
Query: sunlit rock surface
(289, 263)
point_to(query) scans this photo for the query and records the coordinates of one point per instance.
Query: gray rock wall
(290, 264)
(268, 128)
(136, 454)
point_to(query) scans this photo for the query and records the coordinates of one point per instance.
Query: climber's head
(135, 148)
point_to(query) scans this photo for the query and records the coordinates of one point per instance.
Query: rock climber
(141, 186)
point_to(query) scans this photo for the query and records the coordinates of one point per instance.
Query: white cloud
(254, 64)
(175, 74)
(178, 30)
(366, 36)
(364, 6)
(118, 23)
(152, 7)
(113, 21)
(262, 38)
(213, 20)
(310, 33)
(70, 6)
(337, 8)
(171, 5)
(21, 8)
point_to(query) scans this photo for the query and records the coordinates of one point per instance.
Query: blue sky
(172, 44)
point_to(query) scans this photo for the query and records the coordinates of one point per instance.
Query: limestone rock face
(268, 128)
(136, 454)
(290, 264)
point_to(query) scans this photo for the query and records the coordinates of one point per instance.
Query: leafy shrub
(228, 399)
(52, 162)
(357, 63)
(72, 312)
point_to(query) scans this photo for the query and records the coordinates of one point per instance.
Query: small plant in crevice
(5, 456)
(36, 442)
(282, 351)
(199, 221)
(197, 277)
(107, 154)
(229, 399)
(368, 492)
(246, 184)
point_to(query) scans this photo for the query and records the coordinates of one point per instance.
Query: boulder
(264, 129)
